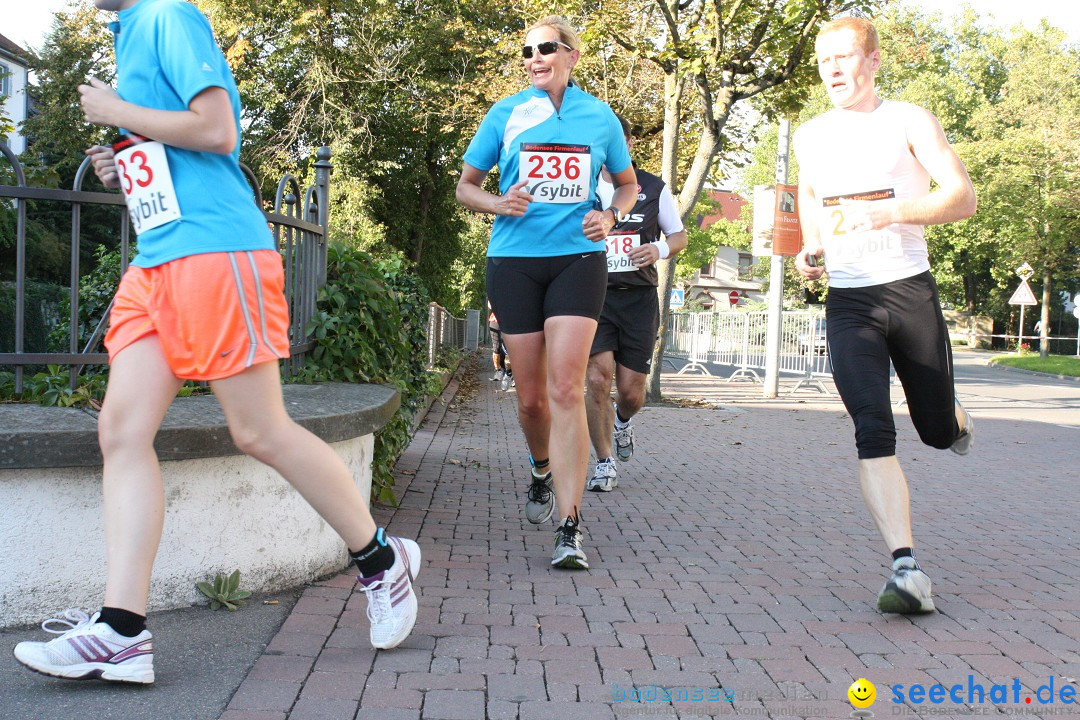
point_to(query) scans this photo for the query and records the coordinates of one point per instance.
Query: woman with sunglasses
(546, 267)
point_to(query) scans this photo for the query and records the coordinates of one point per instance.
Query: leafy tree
(393, 87)
(1028, 146)
(713, 56)
(79, 45)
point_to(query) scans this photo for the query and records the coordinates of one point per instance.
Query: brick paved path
(736, 553)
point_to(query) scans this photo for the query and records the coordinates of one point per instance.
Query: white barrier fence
(738, 339)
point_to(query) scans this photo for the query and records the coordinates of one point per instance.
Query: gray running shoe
(568, 553)
(604, 476)
(507, 381)
(622, 441)
(540, 500)
(908, 590)
(963, 442)
(498, 376)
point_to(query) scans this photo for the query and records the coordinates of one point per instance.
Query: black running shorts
(526, 291)
(628, 326)
(899, 321)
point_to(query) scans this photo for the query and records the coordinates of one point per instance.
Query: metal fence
(298, 220)
(446, 331)
(737, 339)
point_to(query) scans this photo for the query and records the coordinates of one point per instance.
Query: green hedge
(369, 327)
(43, 301)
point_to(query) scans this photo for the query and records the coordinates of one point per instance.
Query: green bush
(43, 301)
(96, 290)
(369, 327)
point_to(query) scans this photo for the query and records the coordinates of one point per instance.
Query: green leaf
(234, 583)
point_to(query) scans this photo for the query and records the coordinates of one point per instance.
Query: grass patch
(1054, 364)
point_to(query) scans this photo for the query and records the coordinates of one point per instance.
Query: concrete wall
(976, 330)
(223, 510)
(221, 514)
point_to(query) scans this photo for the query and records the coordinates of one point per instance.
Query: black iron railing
(299, 221)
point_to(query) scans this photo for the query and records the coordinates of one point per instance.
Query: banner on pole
(776, 220)
(764, 201)
(787, 234)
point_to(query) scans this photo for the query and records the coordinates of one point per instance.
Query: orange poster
(787, 235)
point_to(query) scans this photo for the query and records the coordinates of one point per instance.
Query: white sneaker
(604, 477)
(89, 649)
(391, 600)
(908, 590)
(498, 376)
(963, 442)
(622, 439)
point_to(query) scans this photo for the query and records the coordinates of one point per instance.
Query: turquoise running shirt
(165, 56)
(560, 153)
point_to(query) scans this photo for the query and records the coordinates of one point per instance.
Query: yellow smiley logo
(862, 693)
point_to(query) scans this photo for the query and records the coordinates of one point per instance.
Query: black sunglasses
(545, 48)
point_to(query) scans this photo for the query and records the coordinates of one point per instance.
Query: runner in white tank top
(864, 197)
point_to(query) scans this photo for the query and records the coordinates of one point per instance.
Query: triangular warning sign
(1023, 295)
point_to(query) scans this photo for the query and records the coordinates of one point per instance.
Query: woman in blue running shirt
(546, 267)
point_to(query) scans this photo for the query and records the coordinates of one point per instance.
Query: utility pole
(771, 387)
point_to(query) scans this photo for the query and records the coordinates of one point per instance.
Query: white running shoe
(604, 477)
(391, 600)
(963, 442)
(568, 553)
(908, 590)
(622, 440)
(540, 498)
(89, 649)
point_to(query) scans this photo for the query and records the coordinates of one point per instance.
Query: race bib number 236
(556, 172)
(146, 182)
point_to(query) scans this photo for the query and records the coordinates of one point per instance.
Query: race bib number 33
(555, 172)
(146, 182)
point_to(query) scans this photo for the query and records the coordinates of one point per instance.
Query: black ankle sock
(618, 414)
(904, 552)
(124, 622)
(540, 463)
(375, 557)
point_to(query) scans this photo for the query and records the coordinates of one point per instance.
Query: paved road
(735, 561)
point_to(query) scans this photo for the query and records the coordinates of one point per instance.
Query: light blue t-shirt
(165, 56)
(529, 118)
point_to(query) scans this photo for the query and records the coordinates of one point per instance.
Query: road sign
(1025, 271)
(677, 298)
(733, 297)
(1023, 295)
(1076, 311)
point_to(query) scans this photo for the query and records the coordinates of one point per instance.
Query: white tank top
(864, 156)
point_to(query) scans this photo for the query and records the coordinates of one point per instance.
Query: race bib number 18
(556, 172)
(618, 245)
(146, 182)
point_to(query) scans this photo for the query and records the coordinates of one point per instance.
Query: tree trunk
(708, 144)
(1044, 318)
(665, 271)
